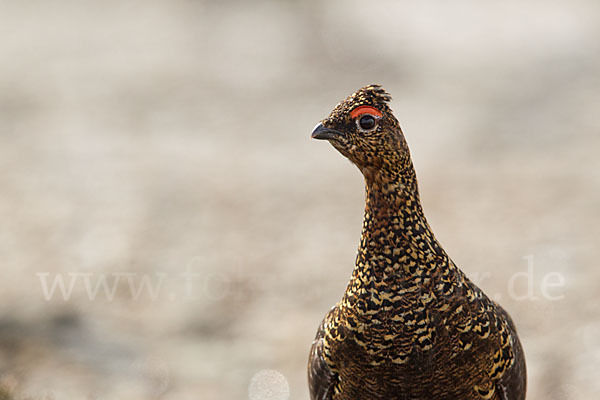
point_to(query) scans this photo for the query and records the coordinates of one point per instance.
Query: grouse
(410, 325)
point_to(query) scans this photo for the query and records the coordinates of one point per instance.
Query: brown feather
(410, 325)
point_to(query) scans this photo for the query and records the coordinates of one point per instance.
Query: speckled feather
(410, 325)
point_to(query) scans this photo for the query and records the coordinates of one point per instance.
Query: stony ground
(166, 143)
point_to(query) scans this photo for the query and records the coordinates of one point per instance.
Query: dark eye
(367, 122)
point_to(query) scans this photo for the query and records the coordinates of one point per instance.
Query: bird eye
(367, 122)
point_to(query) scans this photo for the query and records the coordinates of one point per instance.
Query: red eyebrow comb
(365, 110)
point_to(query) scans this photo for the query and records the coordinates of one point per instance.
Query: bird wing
(513, 384)
(321, 379)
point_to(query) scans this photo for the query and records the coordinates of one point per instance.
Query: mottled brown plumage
(410, 325)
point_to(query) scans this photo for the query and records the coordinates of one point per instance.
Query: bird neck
(392, 194)
(397, 246)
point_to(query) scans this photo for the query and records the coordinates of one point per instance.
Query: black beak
(320, 132)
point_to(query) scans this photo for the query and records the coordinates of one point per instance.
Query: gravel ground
(167, 143)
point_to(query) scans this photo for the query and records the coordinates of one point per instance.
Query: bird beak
(320, 132)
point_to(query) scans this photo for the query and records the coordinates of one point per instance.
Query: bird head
(363, 128)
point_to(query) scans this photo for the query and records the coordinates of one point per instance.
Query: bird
(411, 324)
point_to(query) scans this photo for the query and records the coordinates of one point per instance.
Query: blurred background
(155, 159)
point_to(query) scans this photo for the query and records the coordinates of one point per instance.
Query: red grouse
(410, 325)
